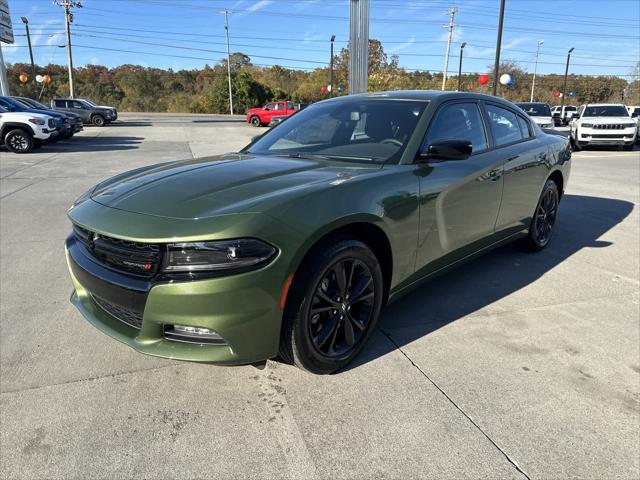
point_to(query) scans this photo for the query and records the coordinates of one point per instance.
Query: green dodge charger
(291, 247)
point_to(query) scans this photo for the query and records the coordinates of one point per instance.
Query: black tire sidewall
(26, 135)
(550, 184)
(98, 120)
(253, 121)
(304, 352)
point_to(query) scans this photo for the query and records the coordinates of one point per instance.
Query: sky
(187, 34)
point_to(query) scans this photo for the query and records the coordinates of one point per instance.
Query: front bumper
(600, 138)
(241, 308)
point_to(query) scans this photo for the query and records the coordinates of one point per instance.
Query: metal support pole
(496, 66)
(564, 85)
(452, 14)
(358, 46)
(226, 29)
(4, 83)
(33, 66)
(464, 44)
(69, 54)
(535, 70)
(333, 38)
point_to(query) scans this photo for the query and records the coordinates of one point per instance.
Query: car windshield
(354, 129)
(536, 109)
(570, 109)
(23, 102)
(34, 103)
(605, 111)
(90, 103)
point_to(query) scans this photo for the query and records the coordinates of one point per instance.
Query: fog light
(186, 333)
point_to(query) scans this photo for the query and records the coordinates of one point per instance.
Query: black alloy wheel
(255, 121)
(341, 308)
(332, 307)
(544, 219)
(98, 120)
(19, 141)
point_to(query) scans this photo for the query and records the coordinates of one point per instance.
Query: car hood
(43, 112)
(542, 120)
(211, 186)
(606, 120)
(23, 116)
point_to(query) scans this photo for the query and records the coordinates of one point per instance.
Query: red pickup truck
(263, 115)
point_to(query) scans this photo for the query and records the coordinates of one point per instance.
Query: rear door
(525, 158)
(460, 199)
(78, 107)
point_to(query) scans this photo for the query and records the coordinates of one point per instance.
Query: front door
(460, 199)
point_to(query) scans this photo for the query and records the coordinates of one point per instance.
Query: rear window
(536, 109)
(504, 124)
(60, 103)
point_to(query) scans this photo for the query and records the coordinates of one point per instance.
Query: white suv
(21, 131)
(603, 124)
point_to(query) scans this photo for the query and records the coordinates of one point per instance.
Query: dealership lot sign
(6, 28)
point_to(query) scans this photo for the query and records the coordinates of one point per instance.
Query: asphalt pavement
(513, 366)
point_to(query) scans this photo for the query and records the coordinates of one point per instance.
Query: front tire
(333, 306)
(255, 121)
(543, 221)
(98, 120)
(19, 141)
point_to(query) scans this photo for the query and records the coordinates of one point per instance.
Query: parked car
(292, 246)
(75, 122)
(634, 111)
(89, 114)
(62, 125)
(114, 112)
(563, 115)
(603, 124)
(263, 115)
(21, 132)
(539, 112)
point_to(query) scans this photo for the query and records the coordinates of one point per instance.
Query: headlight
(587, 125)
(37, 121)
(218, 255)
(629, 125)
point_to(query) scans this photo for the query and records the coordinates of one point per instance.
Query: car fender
(11, 125)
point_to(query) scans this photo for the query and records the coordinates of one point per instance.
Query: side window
(269, 106)
(524, 127)
(291, 106)
(504, 125)
(76, 105)
(459, 121)
(279, 106)
(60, 103)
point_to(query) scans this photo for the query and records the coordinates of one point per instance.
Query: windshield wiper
(310, 156)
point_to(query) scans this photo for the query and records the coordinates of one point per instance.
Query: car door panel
(460, 199)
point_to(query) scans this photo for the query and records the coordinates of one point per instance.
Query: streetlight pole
(452, 14)
(226, 29)
(496, 66)
(68, 16)
(333, 38)
(33, 66)
(564, 86)
(464, 44)
(535, 70)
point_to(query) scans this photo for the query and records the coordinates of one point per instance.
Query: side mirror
(448, 150)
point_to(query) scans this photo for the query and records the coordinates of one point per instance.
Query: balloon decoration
(23, 78)
(39, 78)
(324, 89)
(46, 79)
(340, 88)
(329, 88)
(507, 80)
(557, 94)
(483, 79)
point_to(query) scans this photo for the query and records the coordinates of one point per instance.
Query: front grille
(125, 315)
(611, 126)
(617, 136)
(51, 123)
(140, 259)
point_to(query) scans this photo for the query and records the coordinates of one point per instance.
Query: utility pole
(452, 14)
(33, 66)
(535, 70)
(333, 39)
(68, 16)
(4, 83)
(358, 46)
(564, 86)
(464, 44)
(226, 30)
(496, 66)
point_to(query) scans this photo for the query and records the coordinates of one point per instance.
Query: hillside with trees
(137, 88)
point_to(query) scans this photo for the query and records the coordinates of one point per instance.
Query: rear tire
(577, 146)
(332, 307)
(255, 121)
(98, 120)
(19, 141)
(543, 221)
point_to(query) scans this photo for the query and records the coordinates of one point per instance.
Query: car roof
(422, 95)
(604, 105)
